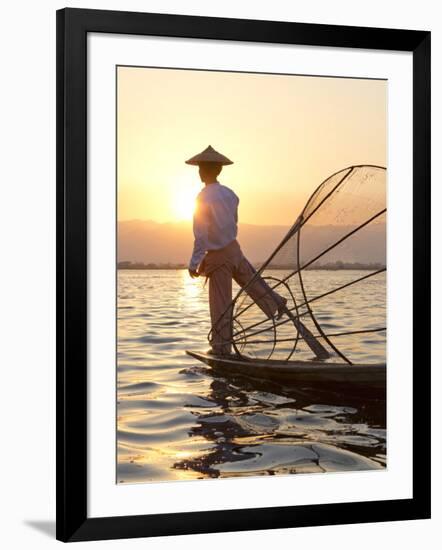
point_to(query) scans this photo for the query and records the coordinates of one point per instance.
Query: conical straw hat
(209, 155)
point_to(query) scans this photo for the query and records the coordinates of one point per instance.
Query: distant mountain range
(151, 242)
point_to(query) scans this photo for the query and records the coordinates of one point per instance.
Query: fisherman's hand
(193, 273)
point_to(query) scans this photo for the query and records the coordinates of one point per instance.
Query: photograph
(226, 339)
(251, 273)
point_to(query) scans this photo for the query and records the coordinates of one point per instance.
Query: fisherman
(217, 253)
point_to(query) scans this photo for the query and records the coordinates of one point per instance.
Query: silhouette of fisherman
(217, 253)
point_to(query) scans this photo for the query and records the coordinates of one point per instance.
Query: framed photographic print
(243, 303)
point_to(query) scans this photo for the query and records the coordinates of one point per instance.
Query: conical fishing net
(330, 267)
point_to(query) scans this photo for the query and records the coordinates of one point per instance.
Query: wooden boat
(299, 373)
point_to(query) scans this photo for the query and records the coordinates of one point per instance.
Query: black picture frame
(73, 25)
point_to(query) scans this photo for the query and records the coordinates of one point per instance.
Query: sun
(184, 204)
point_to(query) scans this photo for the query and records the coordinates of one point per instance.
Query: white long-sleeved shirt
(214, 221)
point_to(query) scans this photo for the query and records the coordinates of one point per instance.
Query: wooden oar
(316, 347)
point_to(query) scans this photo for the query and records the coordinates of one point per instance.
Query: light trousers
(221, 267)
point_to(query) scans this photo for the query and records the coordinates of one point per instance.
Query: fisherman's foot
(282, 308)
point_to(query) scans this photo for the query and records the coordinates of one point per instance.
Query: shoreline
(318, 268)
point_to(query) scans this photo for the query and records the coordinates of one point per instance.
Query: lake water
(177, 420)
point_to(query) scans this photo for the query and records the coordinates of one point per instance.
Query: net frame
(310, 208)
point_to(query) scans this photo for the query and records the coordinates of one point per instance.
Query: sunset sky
(284, 133)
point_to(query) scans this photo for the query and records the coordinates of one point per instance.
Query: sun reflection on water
(192, 291)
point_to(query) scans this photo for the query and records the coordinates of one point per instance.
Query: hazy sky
(284, 133)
